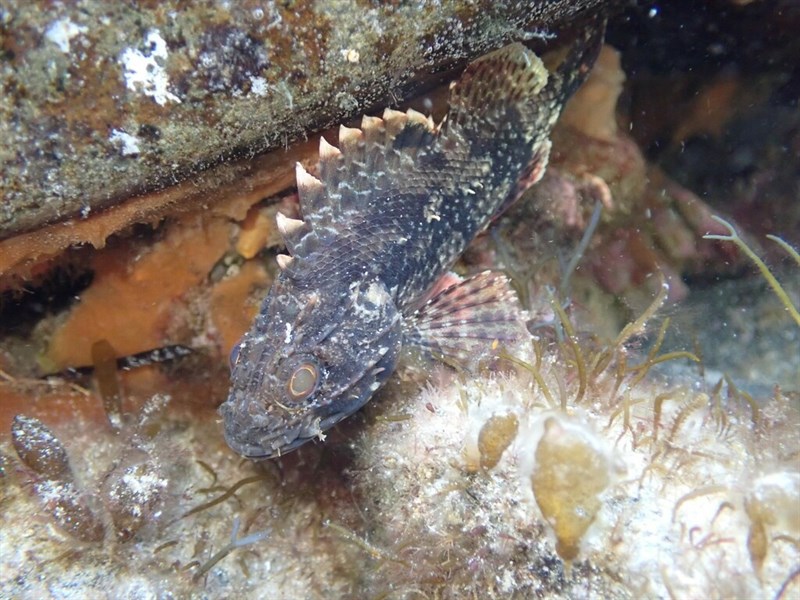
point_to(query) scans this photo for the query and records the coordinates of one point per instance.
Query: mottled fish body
(388, 213)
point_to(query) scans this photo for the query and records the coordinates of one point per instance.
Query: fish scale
(389, 212)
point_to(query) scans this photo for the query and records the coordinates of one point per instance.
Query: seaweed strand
(733, 236)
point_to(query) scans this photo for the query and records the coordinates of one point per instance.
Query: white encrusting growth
(145, 70)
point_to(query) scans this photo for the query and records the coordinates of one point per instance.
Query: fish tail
(577, 61)
(510, 91)
(492, 87)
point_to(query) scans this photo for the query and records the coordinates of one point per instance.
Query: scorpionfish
(386, 216)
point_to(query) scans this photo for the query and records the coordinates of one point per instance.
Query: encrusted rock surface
(103, 101)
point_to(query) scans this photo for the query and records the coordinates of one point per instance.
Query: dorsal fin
(417, 133)
(330, 159)
(293, 231)
(373, 129)
(349, 138)
(310, 189)
(394, 121)
(349, 173)
(501, 113)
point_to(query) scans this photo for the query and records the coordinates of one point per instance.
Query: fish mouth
(259, 444)
(261, 453)
(255, 444)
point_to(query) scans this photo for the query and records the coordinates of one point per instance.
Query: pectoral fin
(467, 320)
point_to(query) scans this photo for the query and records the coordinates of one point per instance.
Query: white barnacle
(288, 337)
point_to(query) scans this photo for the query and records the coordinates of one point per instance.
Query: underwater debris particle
(495, 437)
(40, 449)
(569, 475)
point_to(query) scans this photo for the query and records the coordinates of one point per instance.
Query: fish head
(313, 357)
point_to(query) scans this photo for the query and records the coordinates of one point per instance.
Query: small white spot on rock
(61, 33)
(259, 86)
(128, 144)
(351, 55)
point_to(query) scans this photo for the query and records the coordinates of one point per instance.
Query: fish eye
(303, 381)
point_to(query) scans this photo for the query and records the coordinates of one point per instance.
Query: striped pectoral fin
(466, 320)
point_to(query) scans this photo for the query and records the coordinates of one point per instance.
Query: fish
(386, 214)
